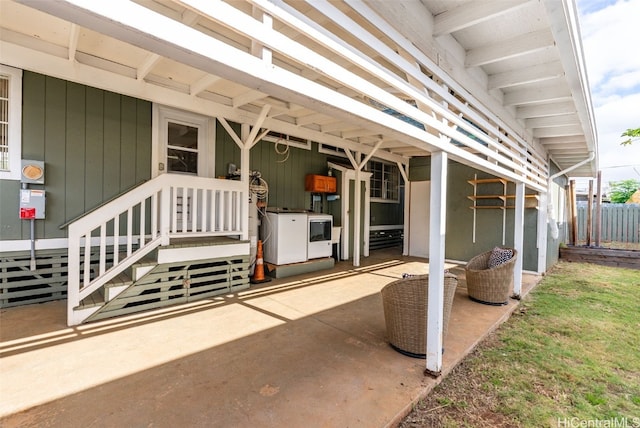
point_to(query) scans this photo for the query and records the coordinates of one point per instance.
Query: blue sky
(611, 44)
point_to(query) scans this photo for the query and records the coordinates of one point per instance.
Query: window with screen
(10, 122)
(385, 181)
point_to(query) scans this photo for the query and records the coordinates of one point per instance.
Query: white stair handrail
(169, 205)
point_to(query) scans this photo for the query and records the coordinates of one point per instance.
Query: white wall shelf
(495, 200)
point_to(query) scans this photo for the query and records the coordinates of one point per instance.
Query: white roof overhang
(348, 73)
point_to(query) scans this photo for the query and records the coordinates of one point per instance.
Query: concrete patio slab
(299, 351)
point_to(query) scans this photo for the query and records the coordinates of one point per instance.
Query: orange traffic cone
(258, 273)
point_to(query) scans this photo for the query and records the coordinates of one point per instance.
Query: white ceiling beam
(333, 126)
(579, 150)
(411, 152)
(311, 118)
(574, 148)
(247, 98)
(550, 121)
(472, 13)
(573, 158)
(189, 17)
(74, 36)
(202, 84)
(30, 42)
(277, 104)
(336, 126)
(258, 49)
(358, 133)
(537, 73)
(292, 110)
(507, 49)
(537, 95)
(542, 110)
(146, 67)
(562, 151)
(296, 109)
(558, 131)
(394, 145)
(576, 140)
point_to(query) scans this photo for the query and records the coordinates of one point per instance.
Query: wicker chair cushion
(499, 256)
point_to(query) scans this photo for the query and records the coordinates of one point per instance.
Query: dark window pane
(182, 161)
(183, 136)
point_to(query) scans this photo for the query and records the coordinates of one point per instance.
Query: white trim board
(51, 244)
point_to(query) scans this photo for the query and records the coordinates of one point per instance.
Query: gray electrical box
(32, 203)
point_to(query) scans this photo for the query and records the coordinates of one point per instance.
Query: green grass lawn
(570, 355)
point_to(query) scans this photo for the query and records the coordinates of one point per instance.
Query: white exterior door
(419, 219)
(184, 143)
(347, 191)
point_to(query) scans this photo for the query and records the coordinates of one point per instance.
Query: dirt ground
(460, 400)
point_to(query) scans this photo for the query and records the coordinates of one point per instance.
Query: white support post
(357, 201)
(244, 178)
(407, 198)
(346, 225)
(366, 227)
(518, 238)
(542, 232)
(435, 310)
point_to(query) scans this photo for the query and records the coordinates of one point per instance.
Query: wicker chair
(405, 312)
(490, 286)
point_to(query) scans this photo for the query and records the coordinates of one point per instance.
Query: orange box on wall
(320, 183)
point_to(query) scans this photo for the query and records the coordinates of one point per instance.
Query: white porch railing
(127, 228)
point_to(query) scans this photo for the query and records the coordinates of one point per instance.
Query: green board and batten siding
(459, 229)
(95, 145)
(285, 174)
(553, 245)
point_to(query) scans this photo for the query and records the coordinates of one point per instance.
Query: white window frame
(286, 139)
(397, 191)
(14, 134)
(331, 150)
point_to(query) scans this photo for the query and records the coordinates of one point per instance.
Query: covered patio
(307, 350)
(422, 86)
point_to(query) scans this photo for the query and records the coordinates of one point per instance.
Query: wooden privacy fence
(620, 222)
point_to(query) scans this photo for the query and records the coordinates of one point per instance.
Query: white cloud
(623, 82)
(618, 114)
(610, 41)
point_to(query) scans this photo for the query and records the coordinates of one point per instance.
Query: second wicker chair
(490, 286)
(405, 312)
